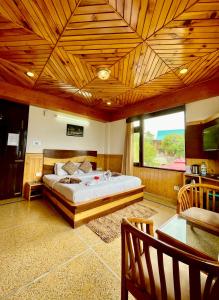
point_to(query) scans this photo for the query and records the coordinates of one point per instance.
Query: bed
(92, 198)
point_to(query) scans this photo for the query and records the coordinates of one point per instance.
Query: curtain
(127, 162)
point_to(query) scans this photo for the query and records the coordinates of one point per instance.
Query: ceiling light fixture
(183, 71)
(30, 74)
(103, 73)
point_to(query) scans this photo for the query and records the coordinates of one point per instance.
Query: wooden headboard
(52, 156)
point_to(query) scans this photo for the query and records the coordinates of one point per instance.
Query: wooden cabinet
(33, 190)
(212, 179)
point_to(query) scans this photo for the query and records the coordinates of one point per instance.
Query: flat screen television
(211, 138)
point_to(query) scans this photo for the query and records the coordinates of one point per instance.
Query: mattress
(90, 188)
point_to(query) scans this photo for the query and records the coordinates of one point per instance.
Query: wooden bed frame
(78, 214)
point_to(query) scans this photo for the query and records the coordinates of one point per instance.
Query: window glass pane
(136, 123)
(136, 147)
(164, 141)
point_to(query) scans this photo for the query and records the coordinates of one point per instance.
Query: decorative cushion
(86, 167)
(70, 167)
(58, 169)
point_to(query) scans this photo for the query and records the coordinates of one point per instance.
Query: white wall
(115, 137)
(201, 110)
(44, 127)
(106, 138)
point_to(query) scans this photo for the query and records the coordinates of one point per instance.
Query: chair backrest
(152, 269)
(199, 195)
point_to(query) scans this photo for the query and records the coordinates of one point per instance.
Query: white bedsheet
(89, 188)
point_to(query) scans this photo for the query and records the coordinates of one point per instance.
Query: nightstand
(33, 190)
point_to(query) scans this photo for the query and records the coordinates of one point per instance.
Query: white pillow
(58, 169)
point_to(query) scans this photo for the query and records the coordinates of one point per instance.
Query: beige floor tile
(16, 214)
(36, 255)
(36, 240)
(110, 253)
(87, 235)
(84, 278)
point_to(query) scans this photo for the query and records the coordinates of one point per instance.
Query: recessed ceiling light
(103, 73)
(183, 71)
(30, 74)
(108, 103)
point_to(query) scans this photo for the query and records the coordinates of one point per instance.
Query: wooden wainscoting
(113, 162)
(160, 182)
(33, 164)
(212, 165)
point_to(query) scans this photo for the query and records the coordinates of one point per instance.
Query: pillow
(86, 167)
(58, 169)
(70, 167)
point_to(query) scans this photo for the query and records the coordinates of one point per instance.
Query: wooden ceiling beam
(200, 91)
(37, 98)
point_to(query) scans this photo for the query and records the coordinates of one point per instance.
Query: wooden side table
(33, 190)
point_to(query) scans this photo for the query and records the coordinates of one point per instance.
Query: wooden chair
(154, 270)
(198, 195)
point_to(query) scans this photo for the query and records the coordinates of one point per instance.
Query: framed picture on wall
(74, 130)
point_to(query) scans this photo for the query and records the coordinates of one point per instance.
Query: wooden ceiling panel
(146, 17)
(139, 66)
(22, 47)
(104, 90)
(98, 34)
(129, 97)
(145, 44)
(165, 83)
(15, 74)
(45, 18)
(185, 39)
(201, 69)
(68, 68)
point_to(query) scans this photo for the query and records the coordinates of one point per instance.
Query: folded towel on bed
(115, 174)
(70, 180)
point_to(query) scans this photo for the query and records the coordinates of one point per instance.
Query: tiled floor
(42, 257)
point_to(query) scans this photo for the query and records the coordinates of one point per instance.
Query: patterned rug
(108, 227)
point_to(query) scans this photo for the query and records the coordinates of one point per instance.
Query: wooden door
(13, 136)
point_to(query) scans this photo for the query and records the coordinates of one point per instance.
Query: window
(136, 141)
(163, 140)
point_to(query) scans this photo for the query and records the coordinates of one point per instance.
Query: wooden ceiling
(145, 44)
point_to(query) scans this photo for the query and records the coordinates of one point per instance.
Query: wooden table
(179, 232)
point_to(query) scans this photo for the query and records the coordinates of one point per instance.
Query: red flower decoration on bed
(96, 177)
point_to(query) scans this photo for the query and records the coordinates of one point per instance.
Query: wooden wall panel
(212, 165)
(160, 182)
(33, 164)
(113, 162)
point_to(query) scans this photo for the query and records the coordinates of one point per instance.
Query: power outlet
(176, 187)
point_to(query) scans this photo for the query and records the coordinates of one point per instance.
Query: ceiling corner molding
(37, 98)
(183, 96)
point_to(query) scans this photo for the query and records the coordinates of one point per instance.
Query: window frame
(140, 129)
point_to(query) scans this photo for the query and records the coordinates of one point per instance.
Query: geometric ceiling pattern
(145, 44)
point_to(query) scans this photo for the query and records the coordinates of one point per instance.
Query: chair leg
(124, 291)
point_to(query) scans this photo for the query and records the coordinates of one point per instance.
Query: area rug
(108, 227)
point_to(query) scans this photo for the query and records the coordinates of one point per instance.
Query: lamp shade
(103, 73)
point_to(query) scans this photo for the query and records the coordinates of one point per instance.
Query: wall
(201, 110)
(50, 132)
(115, 137)
(46, 132)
